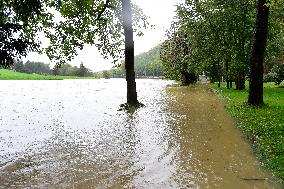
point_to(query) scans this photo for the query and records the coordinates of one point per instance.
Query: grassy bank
(12, 75)
(264, 126)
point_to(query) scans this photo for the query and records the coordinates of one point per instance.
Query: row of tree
(226, 39)
(31, 67)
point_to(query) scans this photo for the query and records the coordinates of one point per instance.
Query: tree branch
(106, 5)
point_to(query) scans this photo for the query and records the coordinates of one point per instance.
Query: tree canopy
(69, 25)
(219, 36)
(96, 23)
(18, 25)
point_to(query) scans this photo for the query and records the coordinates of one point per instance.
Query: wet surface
(220, 157)
(69, 134)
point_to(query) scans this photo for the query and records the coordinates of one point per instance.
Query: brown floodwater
(220, 157)
(69, 134)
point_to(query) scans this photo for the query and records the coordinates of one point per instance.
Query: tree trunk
(227, 74)
(228, 83)
(240, 82)
(129, 52)
(185, 78)
(185, 75)
(257, 56)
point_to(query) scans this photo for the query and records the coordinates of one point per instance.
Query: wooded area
(147, 64)
(226, 41)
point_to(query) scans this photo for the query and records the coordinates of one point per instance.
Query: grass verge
(264, 126)
(12, 75)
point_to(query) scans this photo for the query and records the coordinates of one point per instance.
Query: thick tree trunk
(185, 75)
(129, 53)
(185, 78)
(257, 56)
(188, 78)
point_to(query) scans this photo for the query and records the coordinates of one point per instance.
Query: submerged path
(220, 157)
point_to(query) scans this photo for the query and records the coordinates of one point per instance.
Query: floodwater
(69, 134)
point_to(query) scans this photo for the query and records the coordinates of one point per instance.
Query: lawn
(12, 75)
(264, 126)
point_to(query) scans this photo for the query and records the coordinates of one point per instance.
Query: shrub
(278, 71)
(269, 77)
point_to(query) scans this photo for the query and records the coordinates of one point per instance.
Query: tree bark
(185, 75)
(227, 74)
(129, 52)
(231, 82)
(257, 56)
(240, 82)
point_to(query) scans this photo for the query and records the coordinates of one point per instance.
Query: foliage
(154, 68)
(269, 77)
(96, 23)
(31, 67)
(69, 70)
(274, 50)
(175, 54)
(147, 64)
(117, 72)
(68, 25)
(12, 75)
(262, 125)
(17, 28)
(105, 74)
(19, 66)
(83, 71)
(219, 36)
(37, 67)
(278, 73)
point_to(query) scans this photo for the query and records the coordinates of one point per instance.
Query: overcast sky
(160, 12)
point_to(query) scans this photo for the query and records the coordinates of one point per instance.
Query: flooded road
(69, 134)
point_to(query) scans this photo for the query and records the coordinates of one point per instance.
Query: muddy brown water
(220, 156)
(69, 134)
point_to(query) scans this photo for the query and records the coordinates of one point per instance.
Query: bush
(269, 77)
(278, 71)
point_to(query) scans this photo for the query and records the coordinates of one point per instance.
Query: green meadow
(13, 75)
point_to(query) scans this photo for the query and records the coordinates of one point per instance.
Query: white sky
(160, 12)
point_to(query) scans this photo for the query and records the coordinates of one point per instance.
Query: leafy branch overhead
(18, 25)
(90, 22)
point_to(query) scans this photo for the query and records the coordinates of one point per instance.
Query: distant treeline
(147, 64)
(31, 67)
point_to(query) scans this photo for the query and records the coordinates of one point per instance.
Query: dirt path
(220, 157)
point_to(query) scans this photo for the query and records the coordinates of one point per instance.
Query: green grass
(264, 126)
(12, 75)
